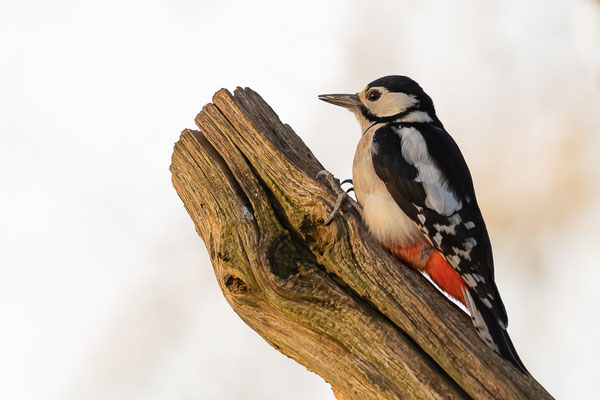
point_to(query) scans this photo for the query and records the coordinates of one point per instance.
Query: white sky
(107, 292)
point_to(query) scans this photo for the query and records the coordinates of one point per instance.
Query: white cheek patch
(390, 103)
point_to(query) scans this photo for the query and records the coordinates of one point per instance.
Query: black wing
(431, 183)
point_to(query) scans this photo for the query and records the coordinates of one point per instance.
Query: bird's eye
(373, 95)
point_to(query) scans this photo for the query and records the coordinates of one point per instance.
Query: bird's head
(388, 99)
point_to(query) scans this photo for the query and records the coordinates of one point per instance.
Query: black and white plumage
(416, 190)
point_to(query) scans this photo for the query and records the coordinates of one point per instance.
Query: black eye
(373, 95)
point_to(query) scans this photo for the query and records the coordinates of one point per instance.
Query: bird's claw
(334, 183)
(342, 195)
(351, 188)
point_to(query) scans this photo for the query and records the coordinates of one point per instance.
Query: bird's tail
(492, 331)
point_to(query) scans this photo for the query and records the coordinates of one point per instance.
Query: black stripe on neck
(374, 118)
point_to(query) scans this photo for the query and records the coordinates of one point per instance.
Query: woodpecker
(418, 200)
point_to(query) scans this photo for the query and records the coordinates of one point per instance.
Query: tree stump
(327, 296)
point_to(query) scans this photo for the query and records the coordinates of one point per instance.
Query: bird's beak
(350, 101)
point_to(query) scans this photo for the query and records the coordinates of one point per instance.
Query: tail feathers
(491, 331)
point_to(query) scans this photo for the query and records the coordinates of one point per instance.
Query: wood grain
(327, 296)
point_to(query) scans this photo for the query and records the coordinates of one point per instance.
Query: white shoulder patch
(438, 196)
(416, 116)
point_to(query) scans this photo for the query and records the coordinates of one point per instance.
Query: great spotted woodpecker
(418, 200)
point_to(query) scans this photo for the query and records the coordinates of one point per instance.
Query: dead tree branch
(327, 296)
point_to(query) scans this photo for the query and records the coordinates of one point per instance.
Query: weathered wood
(327, 296)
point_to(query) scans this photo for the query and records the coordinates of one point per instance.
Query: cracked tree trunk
(327, 296)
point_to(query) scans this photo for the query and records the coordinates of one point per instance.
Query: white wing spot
(465, 253)
(462, 253)
(469, 225)
(450, 229)
(487, 303)
(455, 219)
(502, 324)
(479, 322)
(469, 244)
(438, 239)
(421, 218)
(454, 260)
(470, 280)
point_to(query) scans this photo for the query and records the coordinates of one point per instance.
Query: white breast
(386, 221)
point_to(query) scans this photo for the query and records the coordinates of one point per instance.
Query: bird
(418, 200)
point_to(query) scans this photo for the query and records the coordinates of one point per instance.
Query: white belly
(386, 221)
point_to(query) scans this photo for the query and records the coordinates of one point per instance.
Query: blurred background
(106, 291)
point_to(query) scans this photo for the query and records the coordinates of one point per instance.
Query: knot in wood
(236, 285)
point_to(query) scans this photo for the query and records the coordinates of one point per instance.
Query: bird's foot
(342, 197)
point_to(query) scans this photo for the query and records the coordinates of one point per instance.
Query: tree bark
(327, 296)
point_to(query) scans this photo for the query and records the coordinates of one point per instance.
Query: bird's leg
(342, 195)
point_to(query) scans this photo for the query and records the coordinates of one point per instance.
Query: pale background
(106, 292)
